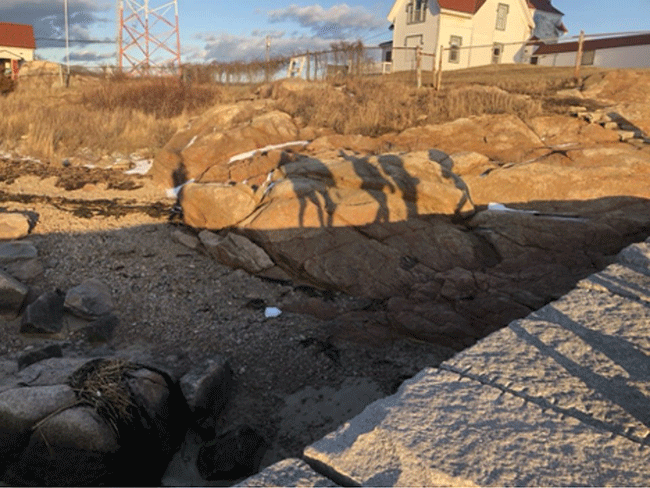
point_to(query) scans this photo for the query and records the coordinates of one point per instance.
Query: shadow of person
(311, 180)
(373, 183)
(447, 165)
(394, 167)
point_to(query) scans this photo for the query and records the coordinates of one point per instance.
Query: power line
(81, 41)
(375, 36)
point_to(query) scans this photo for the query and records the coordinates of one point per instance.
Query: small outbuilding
(630, 51)
(17, 46)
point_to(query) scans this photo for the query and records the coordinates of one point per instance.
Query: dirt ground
(179, 303)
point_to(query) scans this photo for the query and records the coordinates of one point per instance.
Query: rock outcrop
(410, 219)
(204, 150)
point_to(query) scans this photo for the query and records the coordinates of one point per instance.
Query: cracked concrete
(561, 397)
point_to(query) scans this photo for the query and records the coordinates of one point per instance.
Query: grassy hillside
(122, 114)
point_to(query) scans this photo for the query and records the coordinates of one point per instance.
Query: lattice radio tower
(148, 40)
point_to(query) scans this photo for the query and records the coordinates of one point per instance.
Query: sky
(220, 30)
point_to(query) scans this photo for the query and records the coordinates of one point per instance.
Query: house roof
(467, 6)
(473, 6)
(594, 44)
(17, 35)
(544, 5)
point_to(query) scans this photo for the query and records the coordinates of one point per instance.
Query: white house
(17, 45)
(631, 51)
(490, 25)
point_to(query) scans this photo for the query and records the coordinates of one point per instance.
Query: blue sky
(225, 30)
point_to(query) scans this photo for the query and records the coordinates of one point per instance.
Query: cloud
(47, 17)
(229, 47)
(317, 29)
(92, 57)
(338, 22)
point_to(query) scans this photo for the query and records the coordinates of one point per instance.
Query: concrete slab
(444, 429)
(621, 279)
(586, 355)
(636, 255)
(289, 472)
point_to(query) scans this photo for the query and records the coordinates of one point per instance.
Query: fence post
(439, 73)
(308, 65)
(581, 42)
(418, 66)
(433, 70)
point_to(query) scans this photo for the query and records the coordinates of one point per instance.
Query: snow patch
(173, 192)
(142, 167)
(250, 154)
(500, 207)
(190, 143)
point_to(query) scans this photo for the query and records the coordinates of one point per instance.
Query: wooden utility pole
(581, 42)
(268, 58)
(67, 45)
(308, 66)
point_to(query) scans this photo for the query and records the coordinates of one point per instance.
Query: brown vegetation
(374, 106)
(104, 115)
(6, 85)
(163, 98)
(126, 114)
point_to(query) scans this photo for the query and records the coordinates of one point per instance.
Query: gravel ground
(178, 302)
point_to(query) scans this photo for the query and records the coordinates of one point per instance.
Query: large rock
(13, 225)
(206, 389)
(558, 130)
(35, 355)
(19, 259)
(90, 299)
(625, 91)
(409, 228)
(503, 138)
(17, 251)
(44, 315)
(353, 191)
(12, 294)
(103, 421)
(578, 174)
(204, 149)
(236, 251)
(217, 205)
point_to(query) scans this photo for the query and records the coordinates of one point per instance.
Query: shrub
(373, 106)
(160, 97)
(7, 85)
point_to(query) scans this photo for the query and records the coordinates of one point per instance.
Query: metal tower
(148, 40)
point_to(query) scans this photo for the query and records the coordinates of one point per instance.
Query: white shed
(631, 51)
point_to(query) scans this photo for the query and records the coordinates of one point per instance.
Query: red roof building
(472, 6)
(17, 35)
(17, 45)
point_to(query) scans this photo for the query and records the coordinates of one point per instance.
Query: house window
(588, 58)
(502, 16)
(497, 51)
(416, 11)
(454, 48)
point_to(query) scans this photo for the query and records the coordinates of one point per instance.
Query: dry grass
(373, 106)
(103, 115)
(126, 115)
(160, 97)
